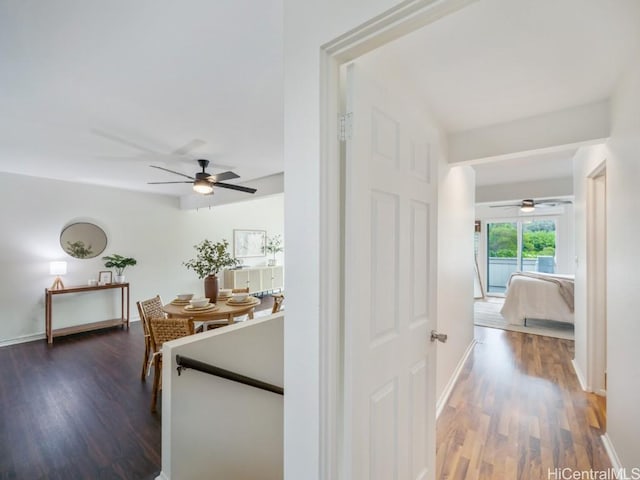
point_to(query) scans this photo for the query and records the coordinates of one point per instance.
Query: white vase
(119, 278)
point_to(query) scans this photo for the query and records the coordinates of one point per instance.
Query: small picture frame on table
(105, 277)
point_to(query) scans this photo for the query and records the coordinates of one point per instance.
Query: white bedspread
(533, 298)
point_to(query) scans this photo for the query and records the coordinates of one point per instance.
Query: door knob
(441, 337)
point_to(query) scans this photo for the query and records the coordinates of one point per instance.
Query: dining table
(224, 310)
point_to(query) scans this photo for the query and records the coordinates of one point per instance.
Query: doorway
(597, 279)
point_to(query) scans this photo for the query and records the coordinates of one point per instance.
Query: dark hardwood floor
(518, 412)
(78, 410)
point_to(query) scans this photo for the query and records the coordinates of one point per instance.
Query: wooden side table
(85, 327)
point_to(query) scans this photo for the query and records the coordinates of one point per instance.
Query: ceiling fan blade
(192, 145)
(504, 206)
(162, 183)
(240, 188)
(215, 177)
(172, 171)
(121, 140)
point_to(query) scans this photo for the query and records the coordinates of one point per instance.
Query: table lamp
(57, 268)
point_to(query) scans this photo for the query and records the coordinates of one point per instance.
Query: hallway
(518, 412)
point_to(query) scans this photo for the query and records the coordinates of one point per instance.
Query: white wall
(548, 188)
(150, 228)
(622, 156)
(547, 132)
(455, 270)
(623, 327)
(585, 160)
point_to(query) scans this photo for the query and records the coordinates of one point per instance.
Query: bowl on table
(184, 296)
(224, 292)
(239, 297)
(199, 302)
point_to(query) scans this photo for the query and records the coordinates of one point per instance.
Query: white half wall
(150, 228)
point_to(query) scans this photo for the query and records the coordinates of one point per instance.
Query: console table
(85, 327)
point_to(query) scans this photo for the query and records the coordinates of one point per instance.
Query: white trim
(24, 339)
(596, 283)
(162, 476)
(402, 19)
(616, 464)
(39, 336)
(580, 375)
(444, 397)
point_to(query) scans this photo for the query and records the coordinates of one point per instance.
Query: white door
(389, 404)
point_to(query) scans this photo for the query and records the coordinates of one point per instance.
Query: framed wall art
(249, 243)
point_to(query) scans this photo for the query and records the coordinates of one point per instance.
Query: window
(524, 245)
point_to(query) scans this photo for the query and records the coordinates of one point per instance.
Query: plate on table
(177, 301)
(247, 301)
(206, 308)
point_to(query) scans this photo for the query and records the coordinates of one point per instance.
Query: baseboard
(24, 339)
(576, 368)
(442, 401)
(40, 336)
(611, 451)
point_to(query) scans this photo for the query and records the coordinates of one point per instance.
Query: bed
(538, 296)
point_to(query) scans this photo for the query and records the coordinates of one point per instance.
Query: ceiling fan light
(202, 186)
(527, 206)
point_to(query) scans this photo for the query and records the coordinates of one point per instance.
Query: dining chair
(148, 309)
(278, 298)
(244, 290)
(163, 330)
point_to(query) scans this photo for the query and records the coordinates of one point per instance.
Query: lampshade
(58, 268)
(202, 186)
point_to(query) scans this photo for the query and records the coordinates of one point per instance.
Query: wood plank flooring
(78, 410)
(517, 411)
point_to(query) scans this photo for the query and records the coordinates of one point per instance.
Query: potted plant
(273, 246)
(119, 263)
(210, 259)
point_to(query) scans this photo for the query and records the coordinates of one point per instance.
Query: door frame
(596, 287)
(392, 24)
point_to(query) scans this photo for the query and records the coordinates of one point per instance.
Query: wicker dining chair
(278, 298)
(151, 308)
(164, 330)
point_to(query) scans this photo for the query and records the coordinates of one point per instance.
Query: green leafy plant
(211, 258)
(118, 262)
(274, 245)
(78, 249)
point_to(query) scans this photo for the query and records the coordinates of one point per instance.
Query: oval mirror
(83, 240)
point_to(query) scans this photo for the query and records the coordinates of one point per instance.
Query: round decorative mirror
(83, 240)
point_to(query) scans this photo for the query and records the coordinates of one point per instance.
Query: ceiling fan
(529, 205)
(204, 182)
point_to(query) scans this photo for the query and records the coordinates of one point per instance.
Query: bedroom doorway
(597, 279)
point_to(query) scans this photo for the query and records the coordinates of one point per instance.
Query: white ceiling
(496, 61)
(96, 91)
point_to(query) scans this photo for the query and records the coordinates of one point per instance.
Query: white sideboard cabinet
(258, 279)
